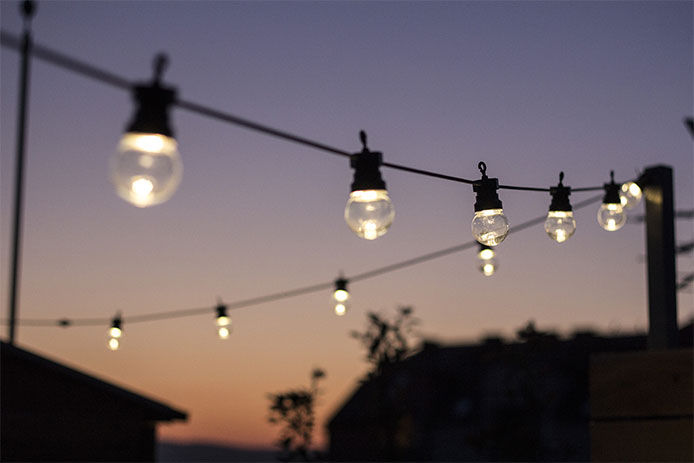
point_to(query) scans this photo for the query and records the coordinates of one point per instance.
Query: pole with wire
(28, 8)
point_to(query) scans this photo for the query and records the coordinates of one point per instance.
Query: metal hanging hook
(612, 176)
(28, 8)
(161, 62)
(561, 178)
(362, 137)
(483, 168)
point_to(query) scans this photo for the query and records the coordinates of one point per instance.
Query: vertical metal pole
(660, 248)
(27, 11)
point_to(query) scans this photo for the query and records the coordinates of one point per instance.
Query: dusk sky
(531, 88)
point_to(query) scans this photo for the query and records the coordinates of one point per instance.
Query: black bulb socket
(152, 112)
(560, 198)
(611, 193)
(487, 197)
(221, 311)
(116, 323)
(341, 284)
(367, 173)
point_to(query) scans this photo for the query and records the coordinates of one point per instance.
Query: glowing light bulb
(113, 344)
(630, 195)
(486, 253)
(341, 295)
(146, 169)
(612, 216)
(222, 321)
(369, 213)
(115, 332)
(560, 225)
(490, 226)
(340, 309)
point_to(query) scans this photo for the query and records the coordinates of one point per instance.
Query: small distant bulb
(490, 226)
(630, 195)
(341, 295)
(113, 344)
(611, 216)
(223, 321)
(560, 225)
(486, 253)
(115, 332)
(340, 309)
(488, 267)
(223, 332)
(146, 169)
(369, 213)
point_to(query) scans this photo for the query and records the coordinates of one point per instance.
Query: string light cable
(336, 285)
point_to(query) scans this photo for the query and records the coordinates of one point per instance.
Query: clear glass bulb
(113, 344)
(488, 267)
(223, 332)
(490, 226)
(486, 254)
(223, 321)
(340, 309)
(340, 295)
(146, 169)
(115, 332)
(560, 225)
(369, 213)
(630, 195)
(611, 216)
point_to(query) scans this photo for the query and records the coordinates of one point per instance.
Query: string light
(489, 225)
(340, 296)
(223, 322)
(146, 169)
(488, 263)
(369, 211)
(630, 195)
(560, 224)
(115, 332)
(611, 215)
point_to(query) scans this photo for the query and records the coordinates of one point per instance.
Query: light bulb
(490, 226)
(486, 253)
(341, 295)
(340, 309)
(611, 216)
(630, 195)
(369, 213)
(146, 169)
(113, 344)
(488, 267)
(115, 332)
(560, 225)
(223, 332)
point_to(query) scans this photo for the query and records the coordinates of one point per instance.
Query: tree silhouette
(386, 341)
(294, 409)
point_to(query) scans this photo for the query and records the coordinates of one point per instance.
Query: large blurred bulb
(369, 213)
(490, 226)
(611, 216)
(630, 195)
(560, 225)
(146, 169)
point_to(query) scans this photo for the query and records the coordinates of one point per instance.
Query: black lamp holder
(487, 197)
(152, 102)
(367, 175)
(341, 284)
(611, 191)
(221, 311)
(560, 196)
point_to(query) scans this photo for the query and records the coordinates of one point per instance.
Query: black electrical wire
(65, 322)
(85, 69)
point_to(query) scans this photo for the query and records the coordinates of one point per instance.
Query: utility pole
(656, 182)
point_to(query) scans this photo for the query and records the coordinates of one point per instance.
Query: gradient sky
(531, 88)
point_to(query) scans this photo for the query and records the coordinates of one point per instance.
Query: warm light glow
(630, 195)
(340, 295)
(147, 142)
(560, 225)
(223, 321)
(340, 309)
(223, 332)
(488, 269)
(611, 216)
(490, 226)
(113, 344)
(142, 187)
(115, 332)
(369, 213)
(486, 254)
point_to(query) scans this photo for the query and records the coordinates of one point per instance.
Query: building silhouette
(500, 401)
(50, 412)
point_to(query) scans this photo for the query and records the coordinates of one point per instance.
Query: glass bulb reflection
(340, 309)
(146, 169)
(113, 344)
(611, 216)
(560, 225)
(490, 226)
(340, 295)
(369, 213)
(630, 195)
